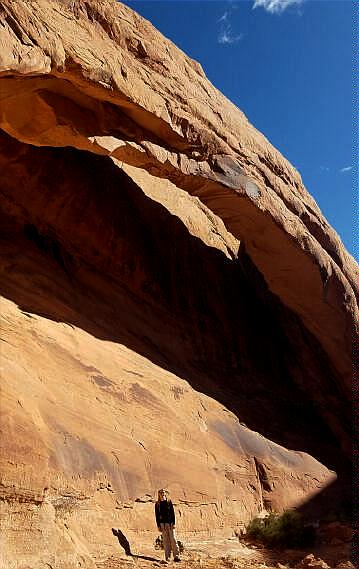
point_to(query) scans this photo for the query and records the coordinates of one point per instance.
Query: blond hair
(160, 491)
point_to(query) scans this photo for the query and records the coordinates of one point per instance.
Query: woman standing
(165, 518)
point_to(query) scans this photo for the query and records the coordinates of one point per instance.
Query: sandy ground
(225, 554)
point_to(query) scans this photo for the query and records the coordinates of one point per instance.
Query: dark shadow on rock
(95, 252)
(145, 557)
(123, 541)
(333, 502)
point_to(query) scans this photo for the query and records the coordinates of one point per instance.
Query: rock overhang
(140, 118)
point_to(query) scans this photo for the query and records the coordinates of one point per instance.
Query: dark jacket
(165, 513)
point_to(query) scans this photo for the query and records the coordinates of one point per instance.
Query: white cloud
(224, 17)
(226, 37)
(276, 6)
(324, 168)
(225, 34)
(346, 169)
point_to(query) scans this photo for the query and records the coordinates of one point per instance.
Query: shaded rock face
(176, 310)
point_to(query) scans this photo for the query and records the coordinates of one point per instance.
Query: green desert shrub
(282, 530)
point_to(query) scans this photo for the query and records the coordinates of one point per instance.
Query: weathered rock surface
(170, 290)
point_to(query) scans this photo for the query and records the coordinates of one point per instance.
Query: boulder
(312, 562)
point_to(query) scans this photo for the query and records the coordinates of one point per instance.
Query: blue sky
(288, 65)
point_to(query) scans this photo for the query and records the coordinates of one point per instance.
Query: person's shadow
(123, 541)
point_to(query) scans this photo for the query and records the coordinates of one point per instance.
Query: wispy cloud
(346, 169)
(226, 34)
(324, 168)
(276, 6)
(224, 17)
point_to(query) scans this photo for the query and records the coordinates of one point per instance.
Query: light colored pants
(169, 541)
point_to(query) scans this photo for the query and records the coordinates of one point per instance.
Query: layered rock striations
(176, 310)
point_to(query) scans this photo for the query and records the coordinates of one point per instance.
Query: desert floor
(231, 554)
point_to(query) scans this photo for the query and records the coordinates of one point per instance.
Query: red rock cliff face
(171, 295)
